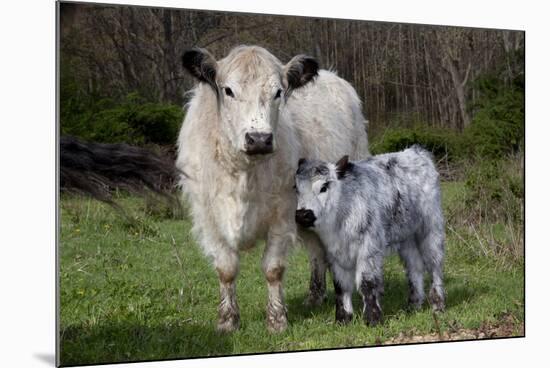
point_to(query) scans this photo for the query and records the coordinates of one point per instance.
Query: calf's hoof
(373, 317)
(437, 300)
(343, 317)
(373, 322)
(276, 319)
(228, 322)
(414, 304)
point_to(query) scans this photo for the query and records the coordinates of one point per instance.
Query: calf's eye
(228, 92)
(324, 188)
(278, 94)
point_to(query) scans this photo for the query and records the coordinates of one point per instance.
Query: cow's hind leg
(227, 266)
(318, 267)
(414, 266)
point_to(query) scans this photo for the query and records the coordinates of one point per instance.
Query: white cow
(247, 124)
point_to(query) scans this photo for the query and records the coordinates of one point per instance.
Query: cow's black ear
(201, 64)
(300, 163)
(300, 71)
(342, 166)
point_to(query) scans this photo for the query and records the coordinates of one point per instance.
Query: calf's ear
(299, 71)
(342, 166)
(202, 65)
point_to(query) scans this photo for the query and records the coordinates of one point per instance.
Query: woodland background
(404, 73)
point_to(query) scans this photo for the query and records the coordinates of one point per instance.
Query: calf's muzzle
(305, 217)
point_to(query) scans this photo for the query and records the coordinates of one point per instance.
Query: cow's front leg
(273, 265)
(227, 266)
(318, 266)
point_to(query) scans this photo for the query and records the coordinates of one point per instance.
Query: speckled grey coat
(361, 210)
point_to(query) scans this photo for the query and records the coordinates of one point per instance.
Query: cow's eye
(228, 92)
(324, 187)
(278, 94)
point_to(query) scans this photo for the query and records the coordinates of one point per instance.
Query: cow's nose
(305, 217)
(258, 143)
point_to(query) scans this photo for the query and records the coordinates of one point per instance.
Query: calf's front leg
(369, 279)
(343, 290)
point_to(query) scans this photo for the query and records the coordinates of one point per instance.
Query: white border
(27, 196)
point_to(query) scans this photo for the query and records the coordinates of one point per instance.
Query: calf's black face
(306, 218)
(313, 181)
(316, 183)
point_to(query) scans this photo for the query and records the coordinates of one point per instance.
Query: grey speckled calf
(362, 210)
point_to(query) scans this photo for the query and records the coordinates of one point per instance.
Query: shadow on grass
(394, 300)
(127, 342)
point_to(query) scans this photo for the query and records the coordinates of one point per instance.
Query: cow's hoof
(276, 319)
(277, 326)
(228, 323)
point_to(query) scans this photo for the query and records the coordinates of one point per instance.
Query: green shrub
(132, 120)
(497, 128)
(439, 141)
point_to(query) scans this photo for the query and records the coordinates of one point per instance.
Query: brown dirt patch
(506, 326)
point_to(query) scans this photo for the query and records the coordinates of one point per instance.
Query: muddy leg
(273, 267)
(369, 279)
(227, 266)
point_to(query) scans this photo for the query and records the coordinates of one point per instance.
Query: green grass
(144, 291)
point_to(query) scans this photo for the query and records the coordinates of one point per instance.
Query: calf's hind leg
(432, 249)
(227, 266)
(414, 266)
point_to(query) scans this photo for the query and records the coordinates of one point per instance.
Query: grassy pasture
(143, 290)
